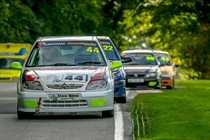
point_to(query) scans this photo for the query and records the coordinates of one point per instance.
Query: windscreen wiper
(61, 64)
(88, 62)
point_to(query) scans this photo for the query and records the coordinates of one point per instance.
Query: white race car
(66, 74)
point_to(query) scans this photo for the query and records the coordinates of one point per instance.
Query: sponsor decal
(82, 43)
(53, 43)
(105, 43)
(56, 81)
(50, 77)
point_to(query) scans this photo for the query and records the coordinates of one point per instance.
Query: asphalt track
(80, 126)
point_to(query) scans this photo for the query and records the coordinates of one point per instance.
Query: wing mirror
(126, 59)
(16, 65)
(176, 65)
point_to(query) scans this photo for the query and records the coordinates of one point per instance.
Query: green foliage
(180, 27)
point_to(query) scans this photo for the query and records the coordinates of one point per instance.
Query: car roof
(159, 51)
(103, 37)
(137, 51)
(63, 38)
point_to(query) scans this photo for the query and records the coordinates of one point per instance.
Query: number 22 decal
(108, 47)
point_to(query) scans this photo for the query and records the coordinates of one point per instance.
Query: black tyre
(172, 86)
(159, 86)
(108, 113)
(23, 115)
(121, 100)
(169, 87)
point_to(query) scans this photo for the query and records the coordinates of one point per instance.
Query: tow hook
(38, 107)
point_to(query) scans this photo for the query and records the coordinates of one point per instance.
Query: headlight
(116, 74)
(151, 75)
(94, 85)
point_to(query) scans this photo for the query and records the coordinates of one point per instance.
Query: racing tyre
(22, 115)
(121, 100)
(169, 87)
(172, 86)
(159, 87)
(108, 113)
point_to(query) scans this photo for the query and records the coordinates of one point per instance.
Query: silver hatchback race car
(144, 69)
(66, 74)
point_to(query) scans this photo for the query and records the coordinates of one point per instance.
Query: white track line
(119, 126)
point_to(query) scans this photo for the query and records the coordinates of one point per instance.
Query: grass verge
(179, 114)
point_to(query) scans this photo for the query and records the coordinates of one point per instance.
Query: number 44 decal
(90, 49)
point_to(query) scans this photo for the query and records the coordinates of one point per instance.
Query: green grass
(178, 114)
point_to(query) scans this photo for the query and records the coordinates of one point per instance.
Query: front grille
(67, 86)
(69, 103)
(4, 78)
(166, 78)
(133, 75)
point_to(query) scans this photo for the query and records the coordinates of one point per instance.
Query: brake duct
(38, 107)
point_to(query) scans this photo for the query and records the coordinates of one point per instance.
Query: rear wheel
(108, 113)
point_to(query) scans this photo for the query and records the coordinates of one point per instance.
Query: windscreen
(110, 50)
(5, 62)
(163, 58)
(68, 53)
(141, 59)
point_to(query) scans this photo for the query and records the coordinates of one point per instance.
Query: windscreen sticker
(105, 43)
(92, 49)
(142, 54)
(165, 58)
(151, 58)
(53, 43)
(108, 47)
(82, 43)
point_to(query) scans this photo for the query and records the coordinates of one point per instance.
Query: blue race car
(119, 73)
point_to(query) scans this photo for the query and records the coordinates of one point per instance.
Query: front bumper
(89, 101)
(143, 82)
(167, 81)
(119, 88)
(8, 79)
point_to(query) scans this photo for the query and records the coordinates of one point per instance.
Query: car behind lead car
(143, 70)
(168, 70)
(119, 73)
(66, 74)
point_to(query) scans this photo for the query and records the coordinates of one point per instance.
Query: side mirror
(116, 64)
(16, 65)
(126, 59)
(161, 64)
(176, 65)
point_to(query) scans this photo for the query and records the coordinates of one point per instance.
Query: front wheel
(108, 113)
(23, 115)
